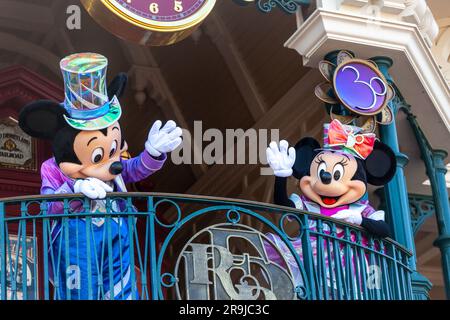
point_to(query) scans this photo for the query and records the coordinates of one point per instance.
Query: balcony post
(396, 193)
(436, 170)
(154, 276)
(442, 210)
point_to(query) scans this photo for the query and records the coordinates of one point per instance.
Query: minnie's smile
(329, 201)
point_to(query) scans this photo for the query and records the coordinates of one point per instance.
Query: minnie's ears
(42, 119)
(381, 164)
(305, 151)
(117, 86)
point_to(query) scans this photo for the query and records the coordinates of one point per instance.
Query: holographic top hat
(86, 97)
(348, 139)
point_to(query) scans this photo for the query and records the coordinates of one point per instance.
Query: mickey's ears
(42, 119)
(118, 85)
(381, 164)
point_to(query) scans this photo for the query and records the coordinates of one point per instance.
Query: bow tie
(344, 136)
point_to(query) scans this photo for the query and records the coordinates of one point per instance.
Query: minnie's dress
(305, 204)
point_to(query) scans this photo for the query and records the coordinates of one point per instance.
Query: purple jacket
(54, 181)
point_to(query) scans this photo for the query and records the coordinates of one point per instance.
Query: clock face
(163, 15)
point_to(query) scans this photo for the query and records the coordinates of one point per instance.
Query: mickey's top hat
(348, 139)
(86, 97)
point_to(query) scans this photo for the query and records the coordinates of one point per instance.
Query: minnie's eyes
(113, 148)
(97, 155)
(322, 167)
(338, 171)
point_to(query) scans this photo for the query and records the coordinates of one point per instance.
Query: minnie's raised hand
(281, 159)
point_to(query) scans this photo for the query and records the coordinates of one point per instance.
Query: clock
(150, 22)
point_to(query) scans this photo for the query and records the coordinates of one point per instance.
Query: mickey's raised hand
(281, 159)
(163, 140)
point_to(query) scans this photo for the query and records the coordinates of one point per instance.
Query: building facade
(251, 67)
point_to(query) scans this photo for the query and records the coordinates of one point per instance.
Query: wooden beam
(434, 274)
(429, 225)
(430, 254)
(11, 43)
(145, 67)
(219, 34)
(299, 103)
(64, 43)
(425, 243)
(27, 16)
(45, 41)
(253, 185)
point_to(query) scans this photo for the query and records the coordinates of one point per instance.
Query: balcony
(168, 246)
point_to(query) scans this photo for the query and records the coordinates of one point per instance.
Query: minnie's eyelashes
(319, 159)
(344, 162)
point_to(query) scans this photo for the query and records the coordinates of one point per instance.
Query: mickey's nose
(116, 168)
(325, 177)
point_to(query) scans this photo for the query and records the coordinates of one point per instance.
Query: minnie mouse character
(333, 179)
(87, 143)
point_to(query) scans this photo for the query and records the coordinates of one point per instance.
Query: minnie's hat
(348, 139)
(86, 95)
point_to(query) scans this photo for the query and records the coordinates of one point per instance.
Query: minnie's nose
(325, 177)
(116, 168)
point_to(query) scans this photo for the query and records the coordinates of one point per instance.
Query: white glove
(163, 140)
(281, 160)
(349, 216)
(92, 188)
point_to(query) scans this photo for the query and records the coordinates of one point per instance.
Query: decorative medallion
(216, 269)
(266, 6)
(150, 22)
(360, 87)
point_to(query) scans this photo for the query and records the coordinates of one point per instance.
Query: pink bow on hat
(361, 144)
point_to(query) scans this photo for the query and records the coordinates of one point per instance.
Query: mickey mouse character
(333, 179)
(87, 143)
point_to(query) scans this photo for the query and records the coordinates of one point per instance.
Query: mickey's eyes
(97, 155)
(113, 148)
(322, 167)
(338, 171)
